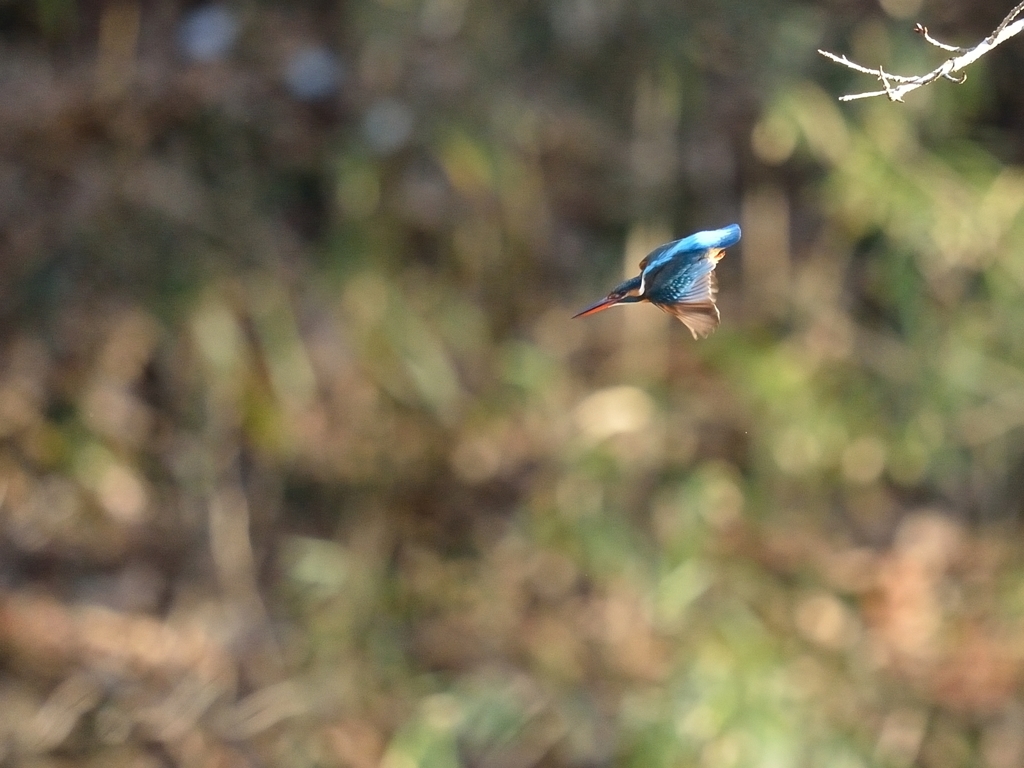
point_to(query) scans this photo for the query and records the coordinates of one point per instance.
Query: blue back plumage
(712, 238)
(697, 243)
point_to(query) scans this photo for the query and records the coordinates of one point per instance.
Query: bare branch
(895, 87)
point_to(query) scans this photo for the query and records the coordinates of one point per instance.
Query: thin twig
(1009, 17)
(922, 30)
(866, 70)
(904, 84)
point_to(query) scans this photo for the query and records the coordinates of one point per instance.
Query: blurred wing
(704, 288)
(701, 317)
(696, 308)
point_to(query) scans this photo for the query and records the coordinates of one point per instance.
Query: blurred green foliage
(304, 463)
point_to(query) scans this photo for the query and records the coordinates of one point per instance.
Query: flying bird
(678, 277)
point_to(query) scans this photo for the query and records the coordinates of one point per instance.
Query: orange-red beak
(607, 301)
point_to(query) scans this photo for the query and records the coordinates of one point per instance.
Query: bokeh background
(303, 462)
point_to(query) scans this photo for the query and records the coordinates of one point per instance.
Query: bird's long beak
(607, 301)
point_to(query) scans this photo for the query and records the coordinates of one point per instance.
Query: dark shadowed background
(304, 463)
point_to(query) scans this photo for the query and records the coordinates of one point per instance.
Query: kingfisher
(678, 277)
